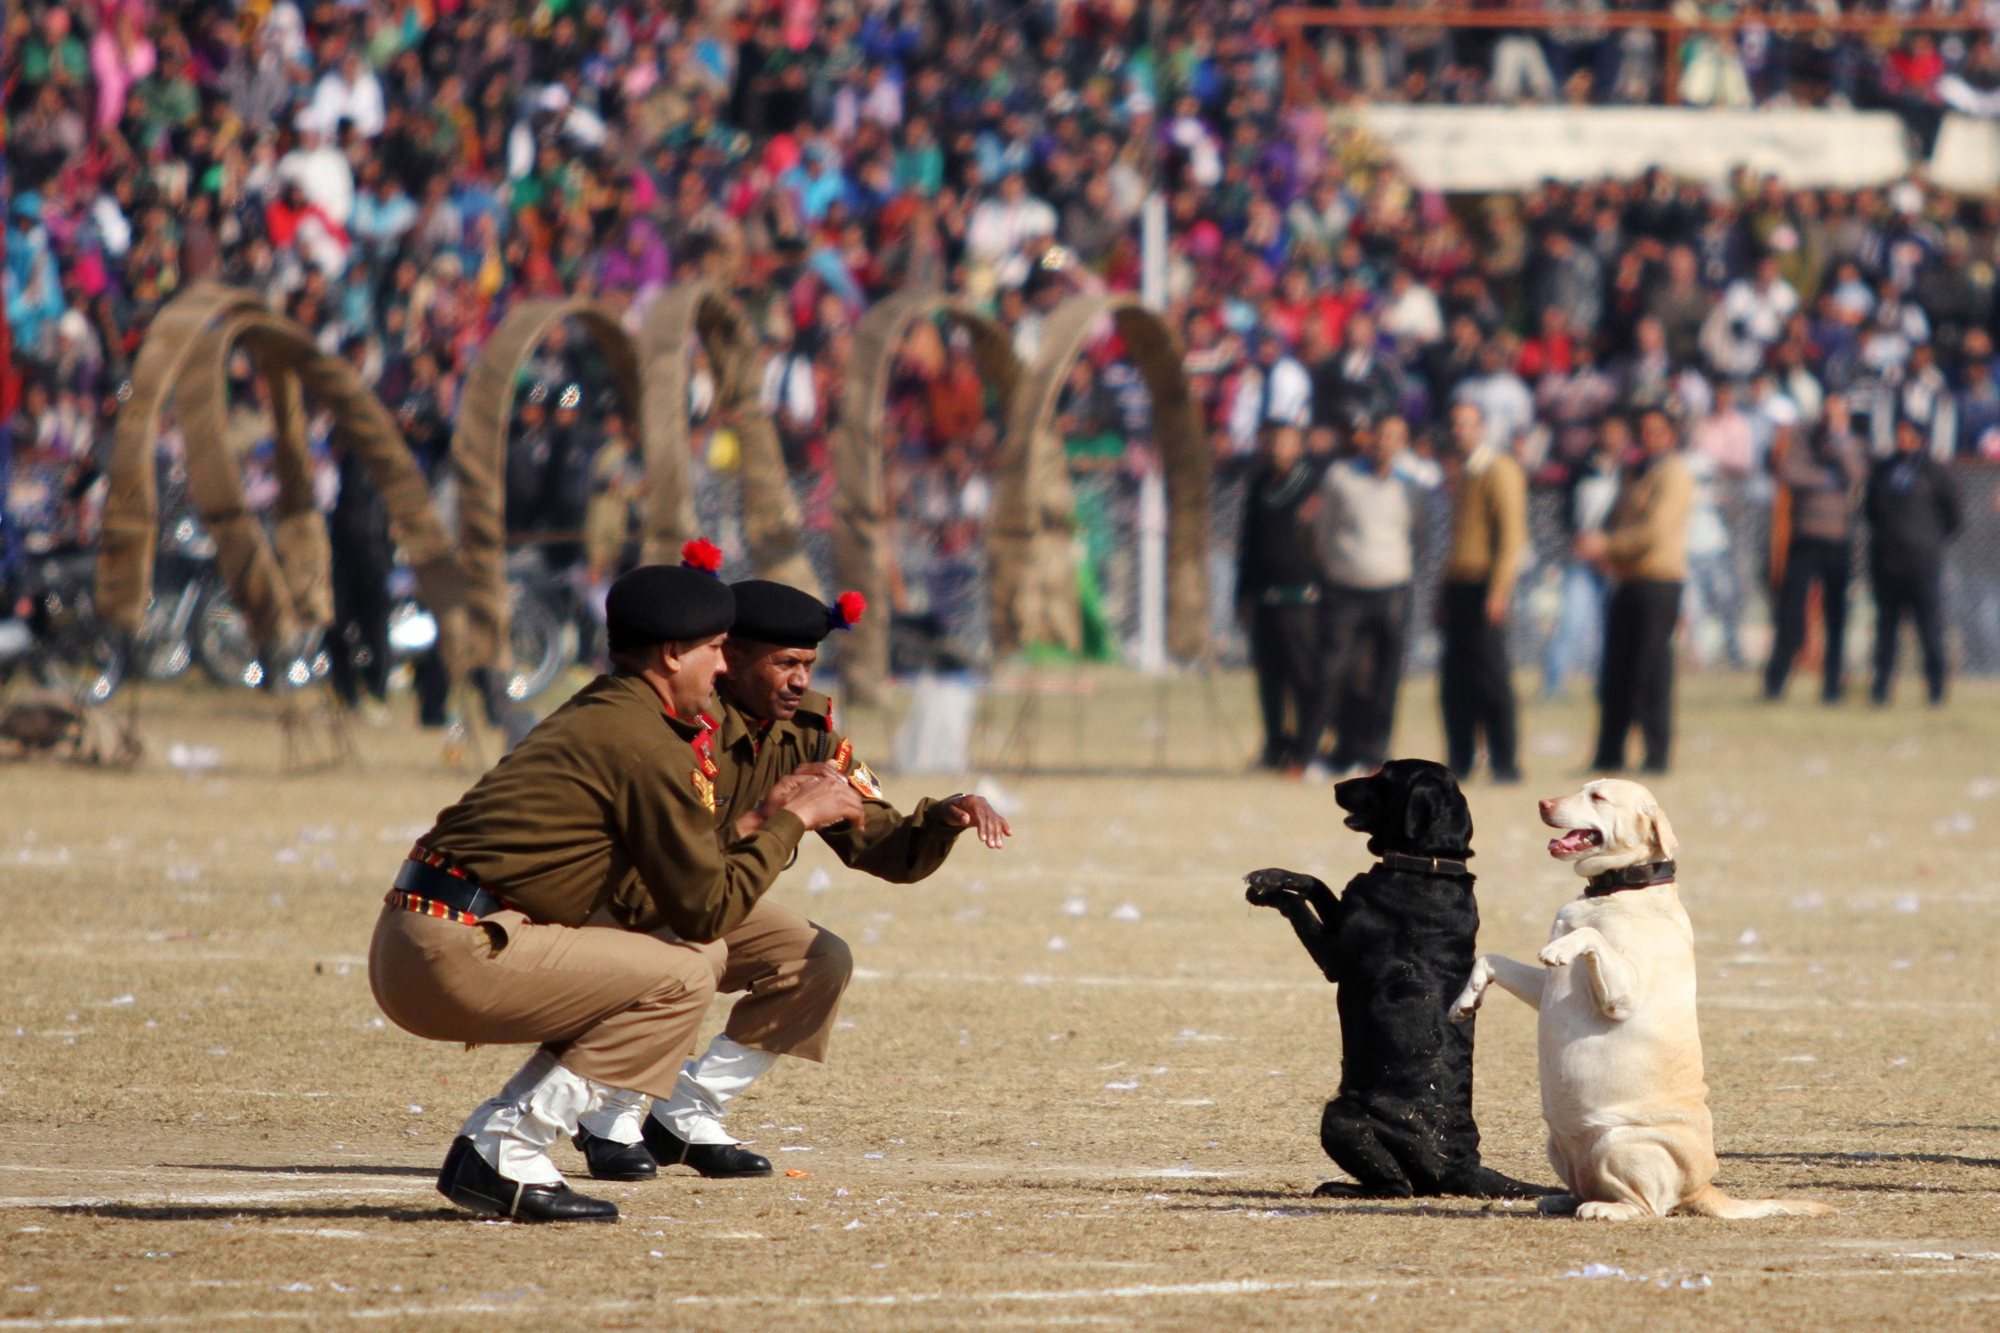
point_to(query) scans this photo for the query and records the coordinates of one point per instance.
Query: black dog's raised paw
(1266, 887)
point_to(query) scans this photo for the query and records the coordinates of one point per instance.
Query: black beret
(666, 604)
(781, 615)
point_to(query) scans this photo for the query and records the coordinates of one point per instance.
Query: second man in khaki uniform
(772, 736)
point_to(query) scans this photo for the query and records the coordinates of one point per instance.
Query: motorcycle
(191, 622)
(548, 628)
(184, 581)
(539, 644)
(53, 633)
(229, 654)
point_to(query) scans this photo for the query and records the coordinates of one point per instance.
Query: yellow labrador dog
(1622, 1083)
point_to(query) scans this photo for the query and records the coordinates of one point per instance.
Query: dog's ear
(1664, 841)
(1435, 817)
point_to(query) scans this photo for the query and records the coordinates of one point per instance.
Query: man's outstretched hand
(976, 812)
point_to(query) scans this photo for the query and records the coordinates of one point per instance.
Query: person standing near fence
(1913, 513)
(1644, 549)
(1278, 601)
(1489, 537)
(1579, 632)
(1824, 473)
(357, 642)
(1364, 535)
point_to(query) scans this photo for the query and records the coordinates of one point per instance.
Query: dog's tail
(1712, 1202)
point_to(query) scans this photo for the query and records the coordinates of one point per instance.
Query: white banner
(1967, 155)
(1472, 149)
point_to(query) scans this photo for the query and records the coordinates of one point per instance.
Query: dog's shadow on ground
(1849, 1160)
(1303, 1202)
(235, 1212)
(1862, 1158)
(303, 1169)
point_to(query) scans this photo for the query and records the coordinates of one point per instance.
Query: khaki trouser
(794, 972)
(613, 1005)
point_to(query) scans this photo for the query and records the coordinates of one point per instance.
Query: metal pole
(1150, 649)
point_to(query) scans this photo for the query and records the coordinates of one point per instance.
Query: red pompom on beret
(702, 554)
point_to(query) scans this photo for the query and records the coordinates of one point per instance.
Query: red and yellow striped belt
(416, 902)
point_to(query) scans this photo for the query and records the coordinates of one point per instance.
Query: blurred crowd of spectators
(1752, 56)
(393, 173)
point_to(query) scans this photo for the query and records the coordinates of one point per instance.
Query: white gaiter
(618, 1115)
(537, 1109)
(708, 1083)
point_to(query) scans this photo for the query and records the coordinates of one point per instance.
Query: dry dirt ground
(1078, 1081)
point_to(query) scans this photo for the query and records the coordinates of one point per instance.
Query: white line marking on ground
(95, 1170)
(1145, 1291)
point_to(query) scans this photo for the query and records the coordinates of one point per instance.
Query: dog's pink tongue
(1573, 841)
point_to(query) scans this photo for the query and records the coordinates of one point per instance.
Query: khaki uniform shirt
(753, 756)
(1646, 536)
(1489, 523)
(610, 799)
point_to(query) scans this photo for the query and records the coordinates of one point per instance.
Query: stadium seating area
(395, 172)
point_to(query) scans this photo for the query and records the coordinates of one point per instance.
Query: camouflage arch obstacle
(283, 586)
(479, 456)
(860, 548)
(684, 313)
(1032, 561)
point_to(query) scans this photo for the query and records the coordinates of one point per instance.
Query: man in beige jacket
(1489, 537)
(1644, 549)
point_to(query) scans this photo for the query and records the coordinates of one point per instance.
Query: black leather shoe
(469, 1182)
(710, 1159)
(615, 1161)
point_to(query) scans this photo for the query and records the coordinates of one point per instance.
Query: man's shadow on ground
(229, 1212)
(317, 1169)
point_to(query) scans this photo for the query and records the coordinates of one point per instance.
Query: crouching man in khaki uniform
(483, 940)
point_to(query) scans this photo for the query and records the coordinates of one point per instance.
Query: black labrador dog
(1399, 944)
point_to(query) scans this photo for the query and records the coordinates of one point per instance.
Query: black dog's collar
(1425, 865)
(1631, 877)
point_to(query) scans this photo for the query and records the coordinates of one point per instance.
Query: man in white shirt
(350, 92)
(1412, 317)
(1003, 224)
(1276, 391)
(1503, 398)
(1750, 318)
(320, 169)
(788, 393)
(883, 102)
(1926, 398)
(1364, 537)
